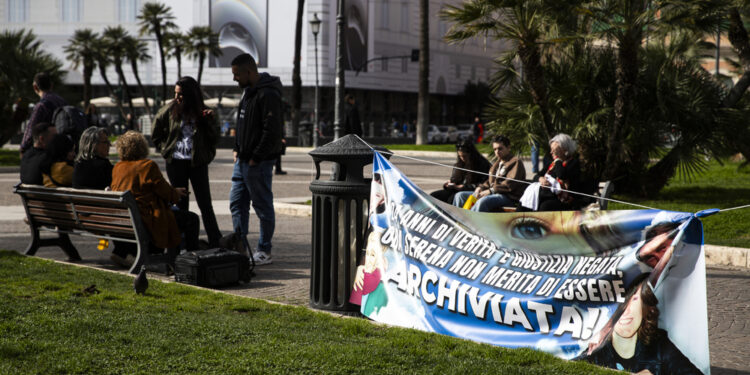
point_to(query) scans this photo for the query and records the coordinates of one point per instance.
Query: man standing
(257, 145)
(352, 124)
(43, 110)
(31, 172)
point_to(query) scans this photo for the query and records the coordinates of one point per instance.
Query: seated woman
(57, 168)
(561, 171)
(504, 186)
(467, 157)
(154, 196)
(92, 169)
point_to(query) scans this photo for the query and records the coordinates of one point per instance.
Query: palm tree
(202, 42)
(80, 51)
(526, 25)
(296, 79)
(136, 51)
(115, 37)
(102, 62)
(23, 56)
(175, 44)
(156, 18)
(423, 106)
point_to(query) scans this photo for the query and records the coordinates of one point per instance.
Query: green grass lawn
(721, 186)
(9, 158)
(48, 326)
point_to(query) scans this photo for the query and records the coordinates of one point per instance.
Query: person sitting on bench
(467, 157)
(32, 159)
(504, 186)
(57, 168)
(92, 169)
(155, 196)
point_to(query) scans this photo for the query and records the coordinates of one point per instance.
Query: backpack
(70, 121)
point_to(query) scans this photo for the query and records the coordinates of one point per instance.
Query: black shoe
(280, 172)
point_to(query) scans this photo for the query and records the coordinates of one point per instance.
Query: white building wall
(396, 35)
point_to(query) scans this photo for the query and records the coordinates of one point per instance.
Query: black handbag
(212, 268)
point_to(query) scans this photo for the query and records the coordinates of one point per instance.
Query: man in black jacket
(257, 145)
(32, 159)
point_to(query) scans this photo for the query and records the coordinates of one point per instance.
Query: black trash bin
(339, 220)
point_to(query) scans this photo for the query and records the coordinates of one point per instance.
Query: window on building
(18, 10)
(70, 10)
(404, 65)
(405, 17)
(384, 65)
(458, 70)
(473, 73)
(384, 15)
(127, 10)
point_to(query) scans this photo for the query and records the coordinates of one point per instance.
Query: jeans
(534, 158)
(253, 185)
(179, 172)
(490, 203)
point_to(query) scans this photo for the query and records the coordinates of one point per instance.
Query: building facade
(385, 89)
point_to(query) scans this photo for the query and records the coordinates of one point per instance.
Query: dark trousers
(179, 172)
(278, 164)
(445, 195)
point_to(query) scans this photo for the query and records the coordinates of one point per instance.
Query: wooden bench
(89, 213)
(603, 191)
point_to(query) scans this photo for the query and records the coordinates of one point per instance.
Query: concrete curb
(727, 256)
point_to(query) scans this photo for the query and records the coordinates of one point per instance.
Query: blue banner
(622, 289)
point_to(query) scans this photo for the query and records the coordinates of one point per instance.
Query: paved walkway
(287, 279)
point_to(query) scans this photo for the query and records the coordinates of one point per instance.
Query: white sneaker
(262, 258)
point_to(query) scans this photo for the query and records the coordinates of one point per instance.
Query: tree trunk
(88, 71)
(125, 89)
(423, 106)
(626, 75)
(103, 73)
(134, 67)
(178, 57)
(534, 76)
(296, 80)
(159, 42)
(201, 59)
(741, 43)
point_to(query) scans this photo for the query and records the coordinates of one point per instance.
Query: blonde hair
(132, 146)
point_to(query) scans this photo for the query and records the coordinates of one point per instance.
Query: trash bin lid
(346, 148)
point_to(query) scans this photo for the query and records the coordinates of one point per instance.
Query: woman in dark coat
(467, 157)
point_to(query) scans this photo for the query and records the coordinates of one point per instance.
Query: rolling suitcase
(212, 268)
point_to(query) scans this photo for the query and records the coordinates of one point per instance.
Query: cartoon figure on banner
(368, 290)
(635, 343)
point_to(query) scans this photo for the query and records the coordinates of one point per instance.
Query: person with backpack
(44, 110)
(186, 133)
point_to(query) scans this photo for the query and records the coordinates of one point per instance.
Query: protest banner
(622, 289)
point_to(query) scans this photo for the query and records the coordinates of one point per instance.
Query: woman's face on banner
(631, 318)
(377, 195)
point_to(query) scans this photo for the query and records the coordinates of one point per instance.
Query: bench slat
(90, 227)
(97, 201)
(81, 209)
(43, 212)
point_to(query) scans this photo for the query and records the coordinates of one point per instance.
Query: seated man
(31, 162)
(504, 187)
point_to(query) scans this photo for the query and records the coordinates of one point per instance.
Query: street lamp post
(340, 85)
(315, 28)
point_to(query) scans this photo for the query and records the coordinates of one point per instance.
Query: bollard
(339, 220)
